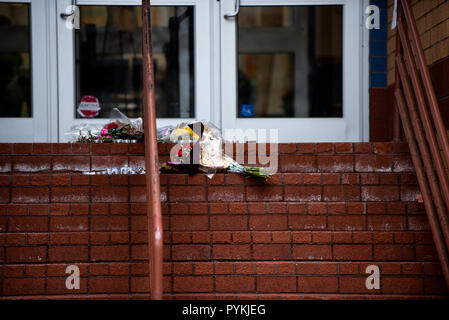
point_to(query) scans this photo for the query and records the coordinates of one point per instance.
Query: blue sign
(247, 110)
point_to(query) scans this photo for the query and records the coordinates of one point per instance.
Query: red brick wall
(309, 232)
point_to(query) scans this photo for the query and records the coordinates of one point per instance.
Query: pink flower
(104, 131)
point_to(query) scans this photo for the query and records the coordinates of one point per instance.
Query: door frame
(353, 127)
(43, 125)
(202, 52)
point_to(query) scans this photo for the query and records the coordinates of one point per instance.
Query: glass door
(100, 65)
(25, 94)
(294, 66)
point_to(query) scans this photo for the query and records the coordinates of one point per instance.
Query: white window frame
(202, 53)
(42, 126)
(353, 127)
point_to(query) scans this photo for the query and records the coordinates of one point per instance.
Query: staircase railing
(155, 230)
(423, 128)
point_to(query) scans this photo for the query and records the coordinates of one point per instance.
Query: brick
(272, 251)
(373, 163)
(192, 284)
(29, 195)
(383, 237)
(80, 148)
(199, 208)
(261, 237)
(191, 222)
(264, 193)
(294, 178)
(241, 237)
(352, 252)
(5, 164)
(234, 284)
(402, 163)
(203, 268)
(350, 178)
(71, 163)
(107, 223)
(348, 268)
(67, 253)
(268, 222)
(311, 252)
(318, 284)
(224, 268)
(317, 208)
(31, 163)
(234, 252)
(72, 194)
(140, 252)
(200, 237)
(15, 239)
(30, 286)
(109, 253)
(341, 193)
(290, 163)
(40, 180)
(336, 208)
(331, 178)
(71, 223)
(402, 285)
(36, 239)
(386, 223)
(191, 252)
(279, 207)
(362, 237)
(312, 178)
(110, 194)
(307, 222)
(221, 237)
(380, 193)
(355, 285)
(324, 147)
(27, 224)
(276, 284)
(108, 285)
(297, 208)
(426, 253)
(335, 163)
(321, 237)
(302, 193)
(393, 252)
(281, 237)
(21, 180)
(26, 254)
(187, 193)
(346, 223)
(233, 222)
(286, 268)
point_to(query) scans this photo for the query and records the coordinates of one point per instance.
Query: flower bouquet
(199, 147)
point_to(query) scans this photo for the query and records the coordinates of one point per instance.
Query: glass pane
(15, 60)
(109, 60)
(290, 62)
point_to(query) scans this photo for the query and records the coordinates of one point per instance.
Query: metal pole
(155, 230)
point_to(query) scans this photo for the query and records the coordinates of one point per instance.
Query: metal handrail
(154, 212)
(424, 136)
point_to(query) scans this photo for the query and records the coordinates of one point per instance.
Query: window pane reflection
(109, 59)
(15, 63)
(290, 62)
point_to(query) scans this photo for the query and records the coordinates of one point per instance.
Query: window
(109, 59)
